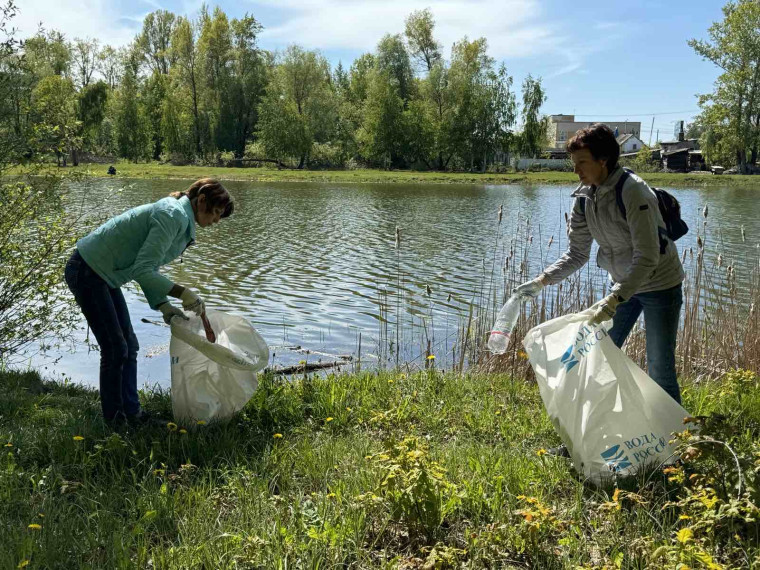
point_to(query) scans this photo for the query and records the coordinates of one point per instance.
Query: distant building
(682, 154)
(629, 143)
(563, 127)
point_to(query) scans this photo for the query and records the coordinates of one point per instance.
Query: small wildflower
(277, 436)
(331, 495)
(171, 426)
(35, 526)
(201, 423)
(78, 438)
(684, 535)
(522, 354)
(328, 420)
(497, 412)
(390, 381)
(348, 409)
(9, 444)
(684, 517)
(23, 564)
(431, 357)
(541, 452)
(182, 431)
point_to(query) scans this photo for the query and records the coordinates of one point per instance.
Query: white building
(629, 143)
(563, 127)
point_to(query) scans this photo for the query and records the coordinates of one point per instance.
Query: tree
(48, 54)
(54, 112)
(92, 106)
(110, 65)
(155, 39)
(85, 60)
(535, 128)
(732, 111)
(383, 133)
(299, 107)
(393, 60)
(359, 78)
(419, 26)
(133, 132)
(184, 53)
(36, 233)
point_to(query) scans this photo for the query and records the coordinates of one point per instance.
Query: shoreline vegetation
(384, 470)
(376, 176)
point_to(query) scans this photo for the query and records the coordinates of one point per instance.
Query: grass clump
(377, 470)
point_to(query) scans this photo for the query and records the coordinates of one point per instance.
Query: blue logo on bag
(586, 339)
(616, 458)
(568, 359)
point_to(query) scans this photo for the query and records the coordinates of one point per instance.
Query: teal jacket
(133, 245)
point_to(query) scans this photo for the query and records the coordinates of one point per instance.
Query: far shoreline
(156, 171)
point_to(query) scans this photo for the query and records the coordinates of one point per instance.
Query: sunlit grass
(282, 487)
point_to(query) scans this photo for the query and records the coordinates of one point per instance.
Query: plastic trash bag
(212, 381)
(612, 416)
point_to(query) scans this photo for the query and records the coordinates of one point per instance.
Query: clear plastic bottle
(502, 328)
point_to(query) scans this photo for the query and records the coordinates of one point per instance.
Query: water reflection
(316, 264)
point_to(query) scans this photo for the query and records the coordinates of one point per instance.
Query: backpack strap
(619, 191)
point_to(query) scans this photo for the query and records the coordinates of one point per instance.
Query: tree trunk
(303, 161)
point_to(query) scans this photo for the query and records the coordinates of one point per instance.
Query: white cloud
(514, 28)
(81, 18)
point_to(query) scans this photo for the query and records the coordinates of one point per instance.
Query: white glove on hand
(169, 311)
(605, 309)
(191, 301)
(529, 290)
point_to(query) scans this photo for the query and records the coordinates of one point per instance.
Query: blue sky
(599, 59)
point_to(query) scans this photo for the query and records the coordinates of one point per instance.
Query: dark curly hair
(600, 141)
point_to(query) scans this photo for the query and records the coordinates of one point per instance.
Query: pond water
(316, 264)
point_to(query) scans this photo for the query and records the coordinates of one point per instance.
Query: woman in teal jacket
(131, 247)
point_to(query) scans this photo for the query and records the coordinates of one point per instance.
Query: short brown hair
(600, 141)
(216, 195)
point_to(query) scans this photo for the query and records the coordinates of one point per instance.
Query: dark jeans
(107, 314)
(662, 311)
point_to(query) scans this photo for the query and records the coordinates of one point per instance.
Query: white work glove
(605, 309)
(169, 311)
(529, 290)
(191, 301)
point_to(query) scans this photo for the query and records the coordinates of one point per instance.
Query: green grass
(165, 171)
(428, 471)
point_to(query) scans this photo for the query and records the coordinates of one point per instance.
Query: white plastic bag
(212, 381)
(610, 414)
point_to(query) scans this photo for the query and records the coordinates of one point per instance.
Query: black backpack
(670, 209)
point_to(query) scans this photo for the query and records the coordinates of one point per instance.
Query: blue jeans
(106, 312)
(662, 312)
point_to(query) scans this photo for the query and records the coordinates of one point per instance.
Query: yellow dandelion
(328, 420)
(349, 409)
(497, 412)
(431, 357)
(78, 438)
(331, 495)
(171, 426)
(35, 526)
(541, 452)
(277, 436)
(684, 517)
(390, 381)
(522, 354)
(9, 444)
(23, 564)
(201, 422)
(182, 431)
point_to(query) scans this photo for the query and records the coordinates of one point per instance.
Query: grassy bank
(165, 171)
(361, 471)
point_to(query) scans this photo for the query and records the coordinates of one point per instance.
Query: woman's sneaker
(559, 451)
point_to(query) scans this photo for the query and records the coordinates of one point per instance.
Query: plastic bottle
(502, 328)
